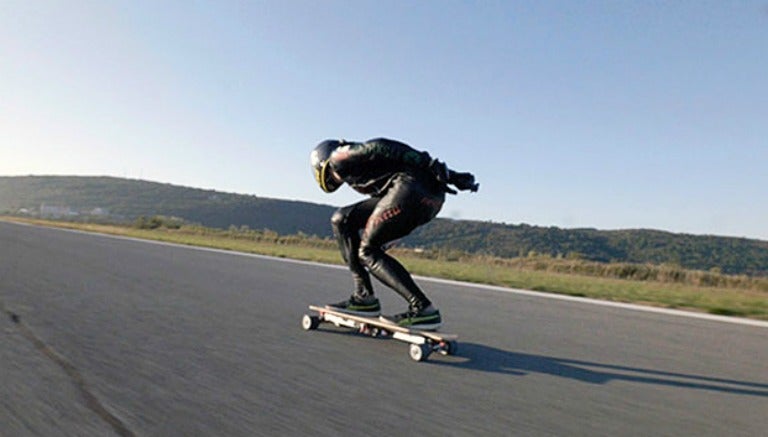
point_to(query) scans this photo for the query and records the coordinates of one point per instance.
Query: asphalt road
(115, 336)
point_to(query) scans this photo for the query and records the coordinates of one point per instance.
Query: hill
(723, 254)
(115, 199)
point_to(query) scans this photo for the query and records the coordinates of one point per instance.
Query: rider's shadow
(477, 357)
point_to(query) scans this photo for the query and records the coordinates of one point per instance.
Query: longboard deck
(423, 342)
(375, 321)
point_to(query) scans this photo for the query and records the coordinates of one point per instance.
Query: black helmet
(319, 161)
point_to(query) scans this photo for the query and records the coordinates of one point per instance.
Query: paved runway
(136, 338)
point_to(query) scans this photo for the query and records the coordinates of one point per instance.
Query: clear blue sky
(605, 114)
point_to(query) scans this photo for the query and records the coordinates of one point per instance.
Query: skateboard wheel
(448, 347)
(310, 322)
(419, 352)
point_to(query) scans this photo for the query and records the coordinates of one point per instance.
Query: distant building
(56, 211)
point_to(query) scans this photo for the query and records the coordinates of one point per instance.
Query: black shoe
(428, 320)
(360, 306)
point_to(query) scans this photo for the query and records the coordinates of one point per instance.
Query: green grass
(728, 301)
(713, 300)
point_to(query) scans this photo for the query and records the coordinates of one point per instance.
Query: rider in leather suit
(407, 189)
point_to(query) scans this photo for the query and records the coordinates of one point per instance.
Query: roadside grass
(714, 300)
(727, 301)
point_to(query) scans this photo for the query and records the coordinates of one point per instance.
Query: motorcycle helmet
(319, 160)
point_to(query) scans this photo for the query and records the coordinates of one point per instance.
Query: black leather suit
(404, 194)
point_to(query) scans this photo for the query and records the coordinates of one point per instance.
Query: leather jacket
(370, 167)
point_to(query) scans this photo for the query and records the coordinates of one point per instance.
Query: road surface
(104, 336)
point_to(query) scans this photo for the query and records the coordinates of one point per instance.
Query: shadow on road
(482, 358)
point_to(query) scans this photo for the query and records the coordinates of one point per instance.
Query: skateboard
(422, 343)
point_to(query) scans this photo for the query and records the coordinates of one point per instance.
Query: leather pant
(406, 205)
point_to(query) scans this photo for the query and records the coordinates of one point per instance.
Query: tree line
(127, 200)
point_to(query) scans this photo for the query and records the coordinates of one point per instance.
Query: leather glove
(463, 181)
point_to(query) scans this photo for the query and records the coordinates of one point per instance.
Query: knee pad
(368, 255)
(338, 221)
